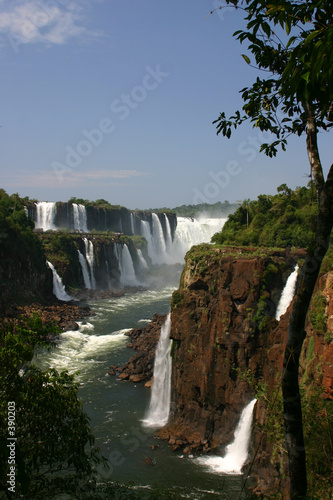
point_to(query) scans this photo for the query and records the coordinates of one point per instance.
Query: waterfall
(189, 232)
(158, 240)
(85, 270)
(236, 452)
(133, 223)
(58, 287)
(146, 233)
(287, 294)
(142, 260)
(158, 412)
(45, 215)
(128, 271)
(168, 239)
(126, 267)
(80, 218)
(89, 248)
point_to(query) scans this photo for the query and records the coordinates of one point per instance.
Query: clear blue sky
(115, 99)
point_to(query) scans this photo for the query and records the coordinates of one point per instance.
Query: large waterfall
(58, 287)
(159, 408)
(45, 215)
(236, 452)
(189, 232)
(126, 267)
(287, 294)
(80, 218)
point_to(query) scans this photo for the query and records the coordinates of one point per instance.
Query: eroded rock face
(144, 340)
(224, 311)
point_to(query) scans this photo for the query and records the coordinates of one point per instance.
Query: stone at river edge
(144, 340)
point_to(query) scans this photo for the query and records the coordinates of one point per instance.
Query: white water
(85, 270)
(159, 407)
(126, 267)
(189, 232)
(80, 218)
(132, 223)
(287, 294)
(45, 211)
(142, 260)
(168, 239)
(58, 287)
(236, 452)
(89, 247)
(128, 272)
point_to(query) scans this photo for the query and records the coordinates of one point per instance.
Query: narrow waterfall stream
(287, 294)
(58, 287)
(159, 407)
(89, 248)
(236, 452)
(85, 270)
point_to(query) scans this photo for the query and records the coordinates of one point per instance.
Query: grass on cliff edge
(207, 250)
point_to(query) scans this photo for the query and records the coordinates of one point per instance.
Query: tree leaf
(246, 59)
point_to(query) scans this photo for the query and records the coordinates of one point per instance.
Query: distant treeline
(215, 210)
(281, 220)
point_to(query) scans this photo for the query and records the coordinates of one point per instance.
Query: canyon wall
(221, 318)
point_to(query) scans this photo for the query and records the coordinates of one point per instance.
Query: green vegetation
(318, 435)
(214, 210)
(21, 253)
(61, 249)
(317, 313)
(54, 450)
(285, 219)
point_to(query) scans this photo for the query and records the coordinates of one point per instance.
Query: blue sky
(115, 99)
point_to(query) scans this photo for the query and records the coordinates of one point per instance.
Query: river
(116, 408)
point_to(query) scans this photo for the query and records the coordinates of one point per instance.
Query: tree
(291, 41)
(54, 448)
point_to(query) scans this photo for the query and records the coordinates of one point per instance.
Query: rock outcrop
(221, 317)
(144, 340)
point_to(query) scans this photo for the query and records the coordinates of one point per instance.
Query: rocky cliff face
(221, 317)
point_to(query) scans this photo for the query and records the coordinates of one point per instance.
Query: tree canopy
(291, 43)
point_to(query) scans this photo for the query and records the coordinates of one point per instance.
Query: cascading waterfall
(128, 272)
(45, 211)
(80, 218)
(89, 248)
(126, 267)
(168, 239)
(158, 240)
(159, 407)
(85, 270)
(142, 260)
(189, 232)
(236, 452)
(58, 287)
(287, 294)
(133, 223)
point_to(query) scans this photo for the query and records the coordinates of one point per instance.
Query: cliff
(221, 318)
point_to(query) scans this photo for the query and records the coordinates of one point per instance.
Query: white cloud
(43, 21)
(48, 179)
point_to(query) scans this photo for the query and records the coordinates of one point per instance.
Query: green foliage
(285, 219)
(54, 448)
(318, 434)
(317, 313)
(208, 210)
(21, 253)
(175, 299)
(298, 65)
